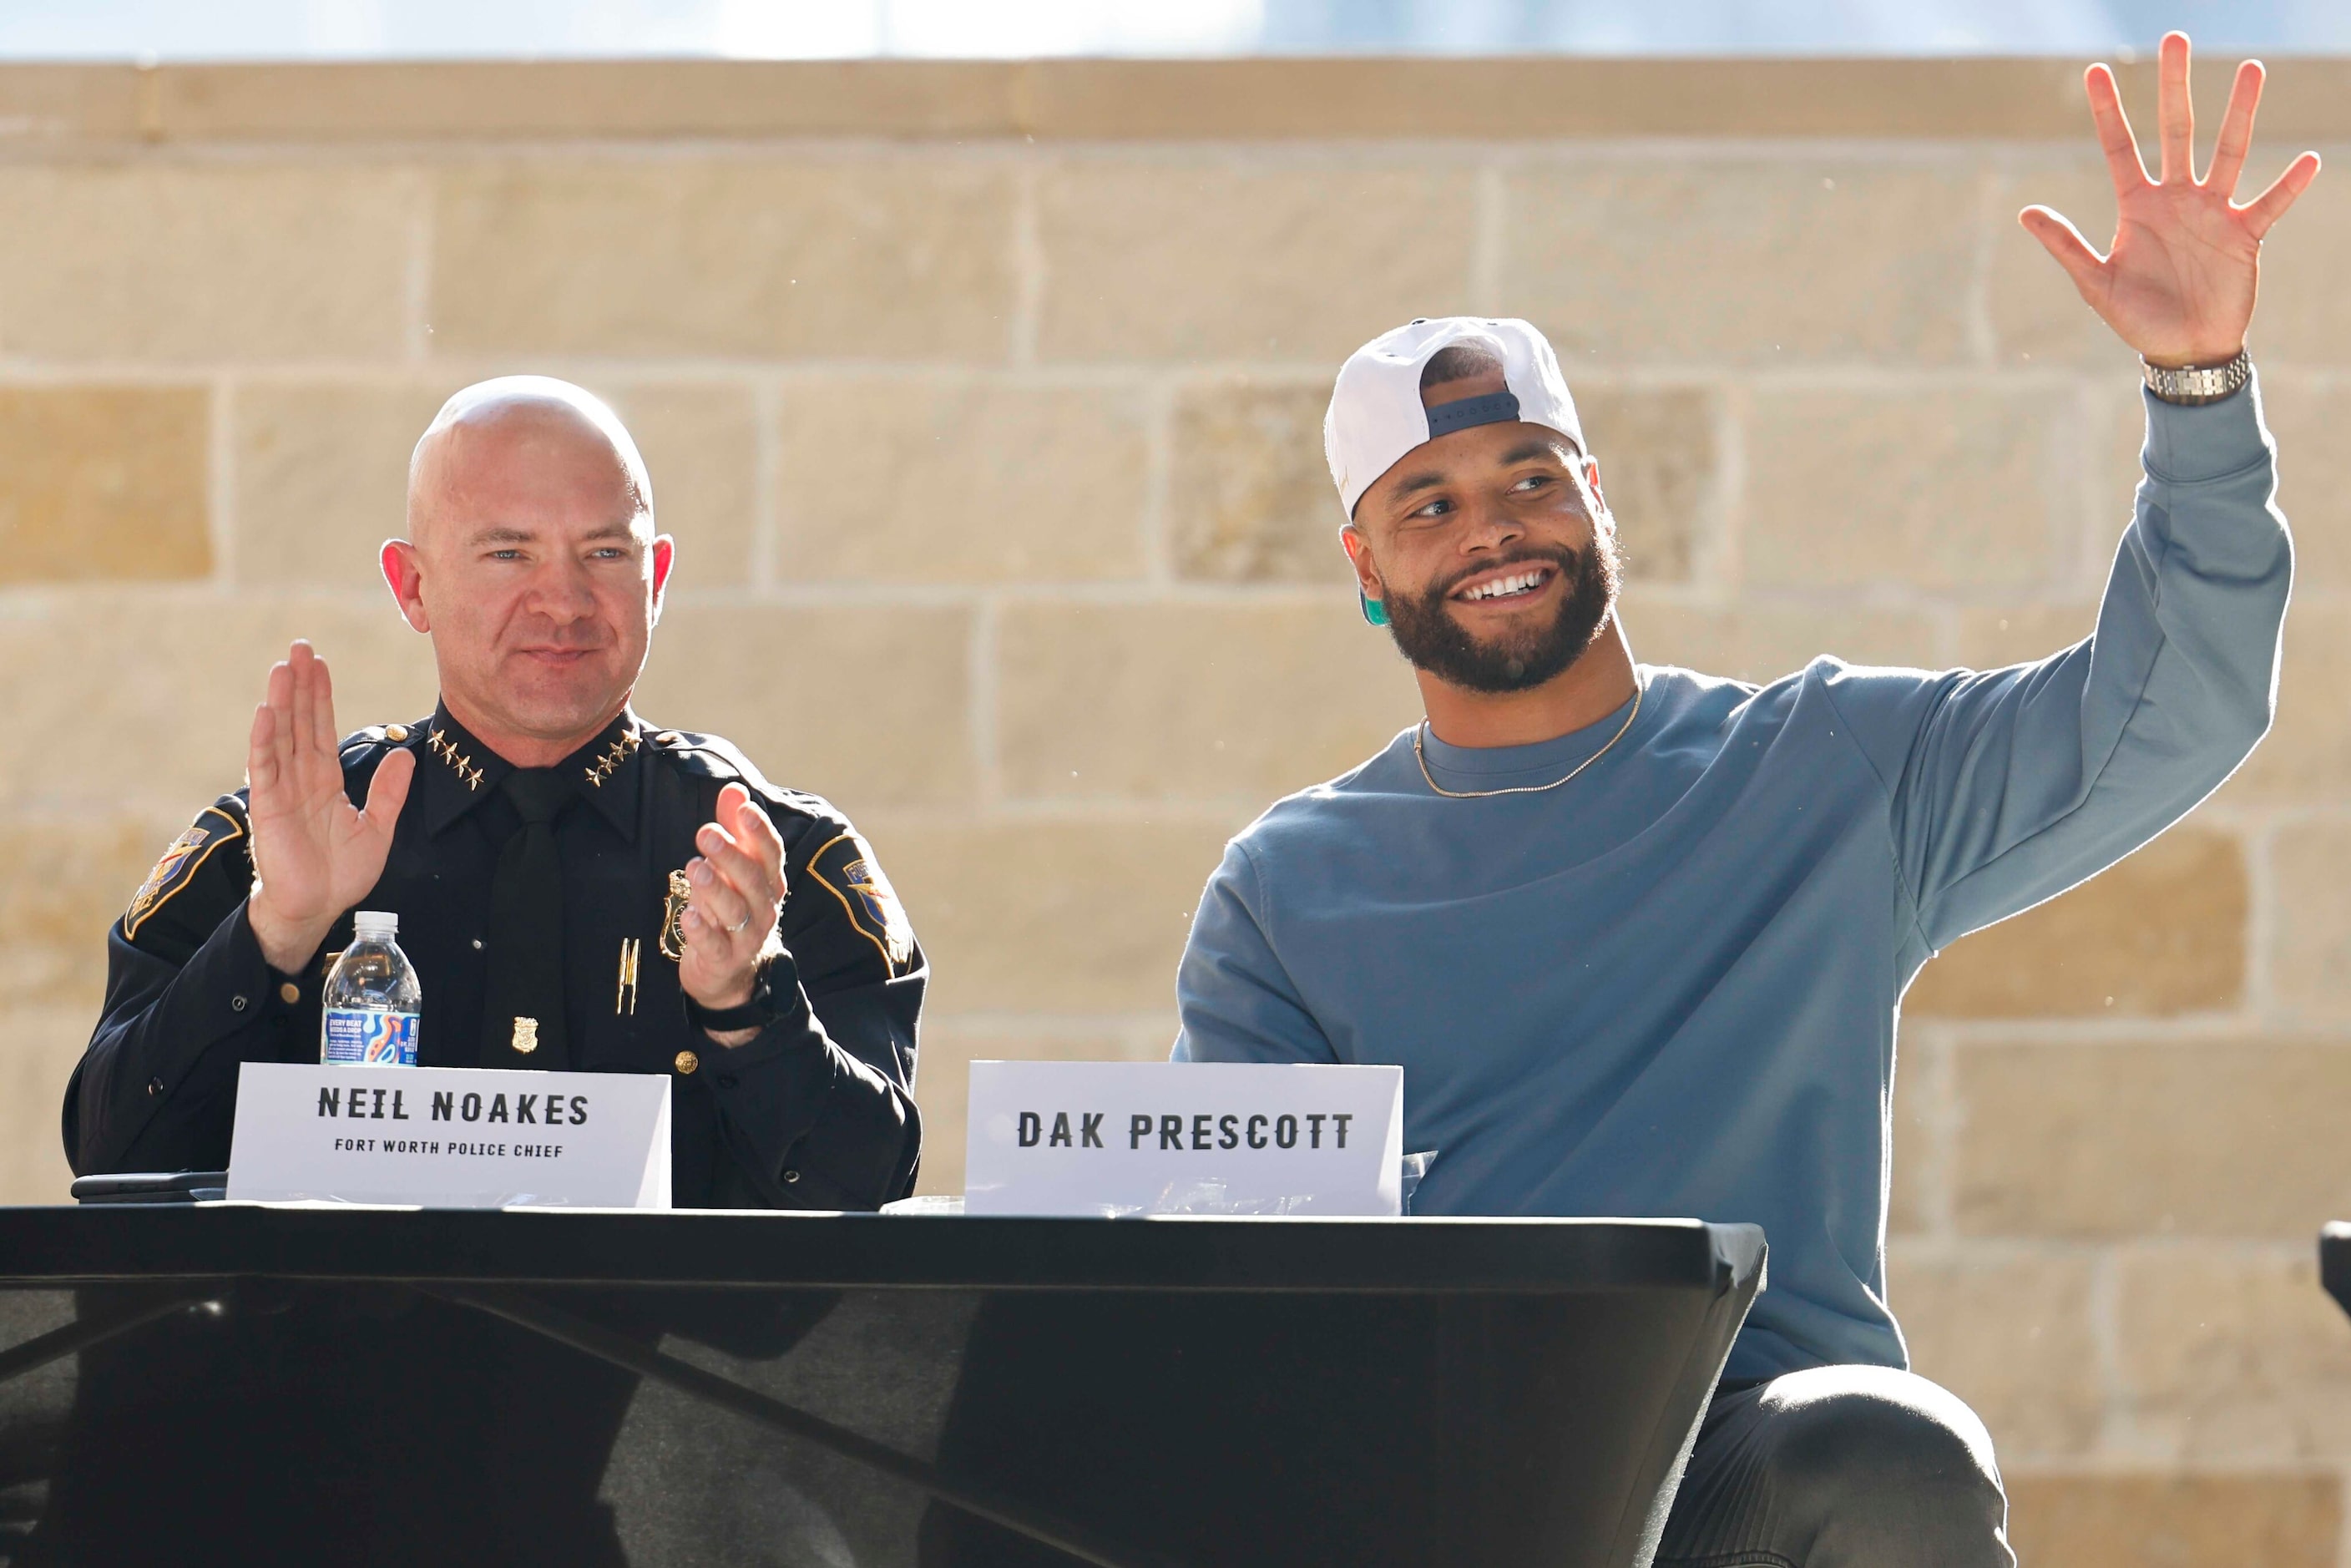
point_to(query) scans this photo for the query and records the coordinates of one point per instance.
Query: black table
(230, 1383)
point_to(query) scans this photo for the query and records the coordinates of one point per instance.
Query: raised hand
(314, 853)
(730, 922)
(2178, 283)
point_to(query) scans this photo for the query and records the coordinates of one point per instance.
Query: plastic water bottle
(371, 1000)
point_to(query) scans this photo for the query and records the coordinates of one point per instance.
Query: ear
(403, 570)
(1359, 555)
(664, 557)
(1590, 469)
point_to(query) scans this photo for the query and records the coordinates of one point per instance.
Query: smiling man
(1638, 936)
(577, 889)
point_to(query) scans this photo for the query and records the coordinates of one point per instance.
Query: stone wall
(984, 402)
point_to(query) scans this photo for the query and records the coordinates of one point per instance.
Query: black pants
(1839, 1466)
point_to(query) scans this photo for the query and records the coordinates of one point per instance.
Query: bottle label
(370, 1036)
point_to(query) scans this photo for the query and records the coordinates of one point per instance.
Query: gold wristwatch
(2192, 385)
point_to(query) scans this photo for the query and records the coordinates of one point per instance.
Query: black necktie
(522, 1011)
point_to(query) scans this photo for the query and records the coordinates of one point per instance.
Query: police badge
(673, 926)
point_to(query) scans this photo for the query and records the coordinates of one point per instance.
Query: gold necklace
(1638, 693)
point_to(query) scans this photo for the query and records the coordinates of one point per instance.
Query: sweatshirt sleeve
(1234, 999)
(2007, 787)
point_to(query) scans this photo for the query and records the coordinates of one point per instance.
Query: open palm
(2180, 281)
(315, 854)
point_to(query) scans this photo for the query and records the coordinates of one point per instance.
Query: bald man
(577, 889)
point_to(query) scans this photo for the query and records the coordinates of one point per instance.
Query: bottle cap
(367, 923)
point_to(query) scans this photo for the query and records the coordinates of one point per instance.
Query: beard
(1427, 634)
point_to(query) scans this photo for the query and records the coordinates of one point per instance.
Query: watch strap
(758, 1012)
(2193, 384)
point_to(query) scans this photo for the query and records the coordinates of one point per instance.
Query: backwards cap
(1376, 416)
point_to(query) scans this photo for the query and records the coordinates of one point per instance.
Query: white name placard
(450, 1137)
(1175, 1137)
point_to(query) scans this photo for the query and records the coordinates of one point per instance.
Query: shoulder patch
(848, 870)
(212, 828)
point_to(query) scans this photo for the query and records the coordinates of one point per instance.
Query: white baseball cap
(1376, 416)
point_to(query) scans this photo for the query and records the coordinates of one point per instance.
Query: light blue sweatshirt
(1670, 987)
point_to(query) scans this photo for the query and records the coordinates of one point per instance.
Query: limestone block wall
(984, 400)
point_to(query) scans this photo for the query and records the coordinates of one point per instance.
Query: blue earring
(1375, 611)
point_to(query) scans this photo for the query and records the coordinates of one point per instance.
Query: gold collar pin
(620, 751)
(441, 747)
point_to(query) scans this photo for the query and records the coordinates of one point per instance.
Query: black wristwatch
(758, 1012)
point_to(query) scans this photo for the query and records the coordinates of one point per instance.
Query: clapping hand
(315, 854)
(730, 920)
(2179, 284)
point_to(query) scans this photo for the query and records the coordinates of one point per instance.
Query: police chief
(577, 888)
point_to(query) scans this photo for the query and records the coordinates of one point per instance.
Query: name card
(446, 1137)
(1180, 1137)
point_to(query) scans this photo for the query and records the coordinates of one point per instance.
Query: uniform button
(477, 944)
(237, 1004)
(154, 1086)
(666, 738)
(396, 733)
(289, 992)
(790, 1177)
(687, 1061)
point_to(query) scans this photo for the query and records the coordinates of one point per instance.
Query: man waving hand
(1638, 936)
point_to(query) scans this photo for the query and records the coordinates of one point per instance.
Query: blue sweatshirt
(1670, 987)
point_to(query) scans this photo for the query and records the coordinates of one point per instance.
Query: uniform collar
(458, 772)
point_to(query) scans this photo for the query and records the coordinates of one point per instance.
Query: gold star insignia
(620, 751)
(441, 747)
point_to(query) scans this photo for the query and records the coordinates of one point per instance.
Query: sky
(801, 29)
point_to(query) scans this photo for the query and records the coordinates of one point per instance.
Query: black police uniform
(816, 1111)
